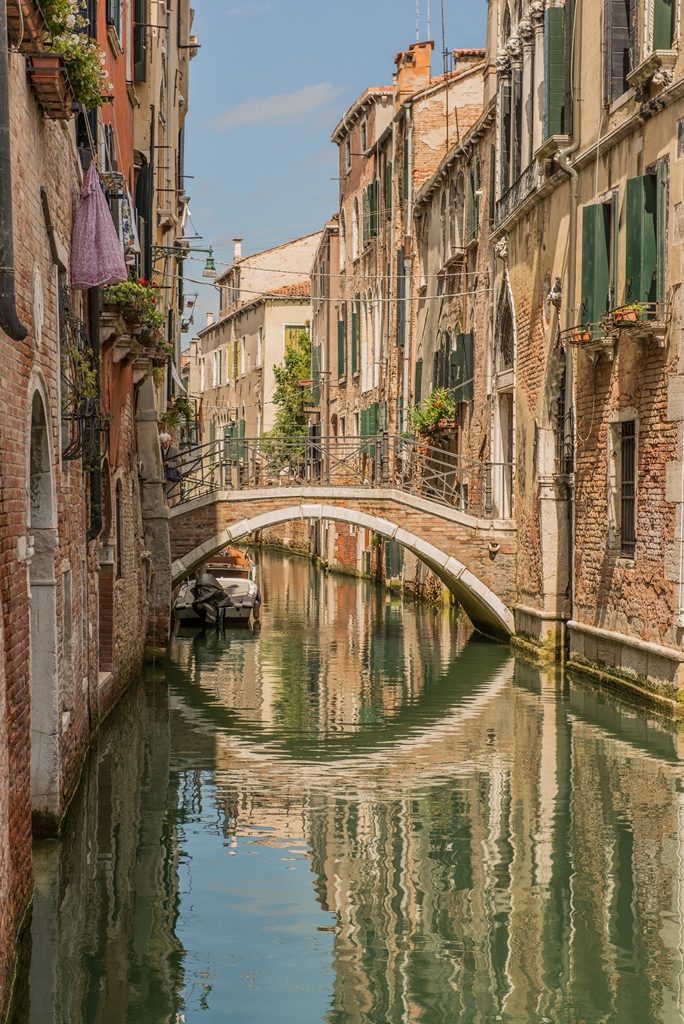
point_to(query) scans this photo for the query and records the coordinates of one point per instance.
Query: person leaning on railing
(171, 460)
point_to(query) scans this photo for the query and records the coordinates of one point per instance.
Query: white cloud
(288, 108)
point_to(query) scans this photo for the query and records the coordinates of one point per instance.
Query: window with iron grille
(564, 461)
(628, 488)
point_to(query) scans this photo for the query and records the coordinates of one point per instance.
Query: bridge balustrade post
(384, 467)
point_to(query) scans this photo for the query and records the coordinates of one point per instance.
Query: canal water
(361, 812)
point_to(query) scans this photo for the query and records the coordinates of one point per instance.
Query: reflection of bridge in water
(451, 512)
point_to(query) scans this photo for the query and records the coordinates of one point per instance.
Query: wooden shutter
(340, 348)
(663, 24)
(619, 29)
(388, 191)
(365, 218)
(140, 41)
(418, 386)
(554, 70)
(372, 426)
(241, 447)
(663, 202)
(641, 277)
(569, 10)
(354, 339)
(596, 242)
(406, 167)
(401, 299)
(364, 429)
(461, 368)
(374, 201)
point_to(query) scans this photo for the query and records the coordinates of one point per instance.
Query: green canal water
(363, 813)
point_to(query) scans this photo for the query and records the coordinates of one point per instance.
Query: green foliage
(83, 57)
(439, 405)
(144, 299)
(290, 397)
(180, 410)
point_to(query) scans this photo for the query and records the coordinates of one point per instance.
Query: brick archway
(487, 611)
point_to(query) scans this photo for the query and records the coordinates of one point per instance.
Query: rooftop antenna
(429, 35)
(417, 21)
(447, 58)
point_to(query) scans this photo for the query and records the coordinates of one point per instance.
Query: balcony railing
(482, 489)
(85, 425)
(517, 193)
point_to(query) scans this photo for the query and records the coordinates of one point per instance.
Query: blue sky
(269, 84)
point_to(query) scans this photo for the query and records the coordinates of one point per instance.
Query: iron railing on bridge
(483, 489)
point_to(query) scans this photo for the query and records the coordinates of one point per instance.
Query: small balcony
(591, 338)
(525, 185)
(640, 321)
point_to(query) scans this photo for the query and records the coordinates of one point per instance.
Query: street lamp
(210, 266)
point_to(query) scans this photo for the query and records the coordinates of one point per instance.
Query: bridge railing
(483, 489)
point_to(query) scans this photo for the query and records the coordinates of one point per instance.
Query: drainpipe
(9, 321)
(408, 297)
(95, 527)
(570, 307)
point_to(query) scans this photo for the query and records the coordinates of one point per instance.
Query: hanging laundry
(96, 256)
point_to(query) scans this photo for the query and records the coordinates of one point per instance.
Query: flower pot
(626, 316)
(51, 85)
(442, 424)
(580, 335)
(25, 26)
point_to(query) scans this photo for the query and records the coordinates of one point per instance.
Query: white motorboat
(239, 601)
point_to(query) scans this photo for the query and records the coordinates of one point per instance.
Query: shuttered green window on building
(569, 10)
(554, 71)
(596, 247)
(374, 208)
(355, 340)
(461, 368)
(140, 41)
(641, 270)
(241, 447)
(406, 167)
(341, 368)
(365, 218)
(473, 201)
(663, 24)
(418, 385)
(388, 191)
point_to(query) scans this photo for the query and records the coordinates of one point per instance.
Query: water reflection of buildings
(103, 943)
(516, 854)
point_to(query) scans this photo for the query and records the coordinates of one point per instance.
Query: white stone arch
(42, 529)
(486, 611)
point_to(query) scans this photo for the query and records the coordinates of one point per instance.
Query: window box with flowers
(138, 303)
(83, 58)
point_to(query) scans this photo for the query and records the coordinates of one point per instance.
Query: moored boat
(237, 601)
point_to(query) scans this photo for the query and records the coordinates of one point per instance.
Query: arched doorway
(45, 761)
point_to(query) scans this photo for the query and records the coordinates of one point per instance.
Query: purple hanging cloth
(96, 255)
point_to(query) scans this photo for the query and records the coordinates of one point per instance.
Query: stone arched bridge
(474, 557)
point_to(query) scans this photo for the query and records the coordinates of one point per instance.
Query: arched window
(424, 238)
(443, 231)
(457, 208)
(506, 25)
(505, 338)
(355, 229)
(343, 240)
(119, 530)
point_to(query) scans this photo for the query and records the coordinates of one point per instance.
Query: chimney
(467, 58)
(210, 319)
(237, 255)
(413, 71)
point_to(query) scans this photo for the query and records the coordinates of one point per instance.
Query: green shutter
(569, 10)
(374, 203)
(554, 70)
(406, 167)
(354, 340)
(418, 386)
(663, 24)
(340, 348)
(596, 242)
(388, 191)
(663, 201)
(366, 218)
(241, 447)
(373, 426)
(364, 429)
(461, 368)
(641, 276)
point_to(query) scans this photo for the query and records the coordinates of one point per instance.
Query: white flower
(71, 21)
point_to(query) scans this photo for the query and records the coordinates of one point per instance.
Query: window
(557, 58)
(418, 382)
(628, 488)
(347, 153)
(505, 341)
(388, 191)
(357, 425)
(219, 380)
(355, 229)
(243, 355)
(647, 204)
(356, 310)
(457, 211)
(236, 359)
(366, 217)
(341, 347)
(374, 208)
(343, 426)
(119, 530)
(114, 15)
(443, 231)
(140, 40)
(663, 24)
(343, 240)
(260, 345)
(291, 334)
(364, 136)
(619, 46)
(461, 374)
(407, 166)
(597, 261)
(474, 201)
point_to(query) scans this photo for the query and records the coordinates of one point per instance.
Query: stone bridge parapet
(475, 558)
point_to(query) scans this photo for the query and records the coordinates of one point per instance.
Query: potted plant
(580, 334)
(26, 25)
(83, 58)
(628, 314)
(438, 410)
(138, 302)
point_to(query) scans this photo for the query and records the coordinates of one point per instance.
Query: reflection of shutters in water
(461, 368)
(394, 560)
